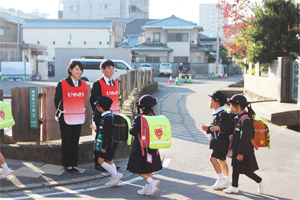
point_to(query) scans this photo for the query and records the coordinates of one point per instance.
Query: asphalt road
(188, 173)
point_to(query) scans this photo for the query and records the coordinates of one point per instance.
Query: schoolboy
(108, 147)
(220, 129)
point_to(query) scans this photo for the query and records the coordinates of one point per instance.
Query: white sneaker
(231, 190)
(144, 191)
(154, 185)
(6, 173)
(116, 179)
(221, 183)
(108, 184)
(261, 186)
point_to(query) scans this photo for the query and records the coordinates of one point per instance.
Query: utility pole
(218, 42)
(18, 39)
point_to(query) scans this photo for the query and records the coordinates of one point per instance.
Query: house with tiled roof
(170, 40)
(133, 33)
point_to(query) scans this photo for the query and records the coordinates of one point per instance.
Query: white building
(68, 33)
(101, 9)
(208, 20)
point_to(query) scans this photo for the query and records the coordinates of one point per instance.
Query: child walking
(243, 158)
(138, 163)
(108, 147)
(6, 171)
(220, 129)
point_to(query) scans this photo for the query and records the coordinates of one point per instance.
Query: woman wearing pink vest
(69, 99)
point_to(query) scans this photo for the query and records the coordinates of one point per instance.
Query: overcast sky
(159, 9)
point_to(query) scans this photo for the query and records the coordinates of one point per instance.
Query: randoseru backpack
(6, 118)
(121, 124)
(155, 132)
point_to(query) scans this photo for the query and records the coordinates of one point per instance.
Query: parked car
(145, 66)
(165, 69)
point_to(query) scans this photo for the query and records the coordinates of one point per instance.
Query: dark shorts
(219, 154)
(109, 155)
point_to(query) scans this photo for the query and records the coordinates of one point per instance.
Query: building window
(84, 42)
(178, 59)
(73, 8)
(156, 37)
(107, 6)
(152, 59)
(132, 8)
(1, 31)
(178, 37)
(53, 42)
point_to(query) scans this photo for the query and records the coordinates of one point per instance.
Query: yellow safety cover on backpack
(160, 136)
(6, 119)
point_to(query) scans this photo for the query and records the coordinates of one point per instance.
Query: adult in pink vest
(105, 86)
(69, 99)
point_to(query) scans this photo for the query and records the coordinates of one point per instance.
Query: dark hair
(73, 64)
(106, 63)
(144, 109)
(250, 111)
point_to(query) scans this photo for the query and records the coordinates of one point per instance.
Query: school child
(6, 171)
(220, 129)
(138, 163)
(243, 158)
(108, 147)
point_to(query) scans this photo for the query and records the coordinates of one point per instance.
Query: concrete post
(299, 83)
(284, 74)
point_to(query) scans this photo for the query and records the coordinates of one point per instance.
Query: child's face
(100, 109)
(213, 104)
(233, 108)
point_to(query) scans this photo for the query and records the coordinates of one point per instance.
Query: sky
(159, 9)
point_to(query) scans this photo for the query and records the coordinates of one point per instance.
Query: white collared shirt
(104, 113)
(106, 80)
(75, 83)
(217, 111)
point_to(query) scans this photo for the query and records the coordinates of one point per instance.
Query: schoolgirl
(243, 158)
(220, 129)
(138, 163)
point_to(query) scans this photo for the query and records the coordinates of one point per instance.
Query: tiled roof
(67, 23)
(151, 46)
(129, 43)
(172, 22)
(207, 43)
(134, 27)
(121, 20)
(10, 18)
(206, 38)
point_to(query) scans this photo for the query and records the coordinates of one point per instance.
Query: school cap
(104, 102)
(219, 97)
(239, 99)
(146, 101)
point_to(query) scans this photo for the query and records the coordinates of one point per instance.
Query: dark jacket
(241, 142)
(106, 129)
(58, 93)
(220, 139)
(95, 92)
(135, 130)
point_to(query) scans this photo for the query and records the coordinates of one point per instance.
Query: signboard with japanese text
(33, 95)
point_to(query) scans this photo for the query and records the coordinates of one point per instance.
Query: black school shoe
(69, 170)
(75, 170)
(98, 167)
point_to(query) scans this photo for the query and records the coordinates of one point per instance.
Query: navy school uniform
(219, 141)
(106, 129)
(241, 144)
(137, 162)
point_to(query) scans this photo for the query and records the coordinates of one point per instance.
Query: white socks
(226, 177)
(147, 186)
(110, 168)
(220, 176)
(5, 167)
(149, 180)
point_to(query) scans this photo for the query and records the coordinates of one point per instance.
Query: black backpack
(120, 128)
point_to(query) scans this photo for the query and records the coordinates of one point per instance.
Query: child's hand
(205, 128)
(230, 137)
(240, 157)
(214, 128)
(92, 127)
(103, 150)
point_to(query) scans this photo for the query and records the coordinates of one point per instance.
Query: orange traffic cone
(170, 80)
(221, 77)
(226, 75)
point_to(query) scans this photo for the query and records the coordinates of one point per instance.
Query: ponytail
(251, 112)
(144, 109)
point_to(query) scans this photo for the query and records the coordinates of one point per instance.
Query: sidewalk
(31, 175)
